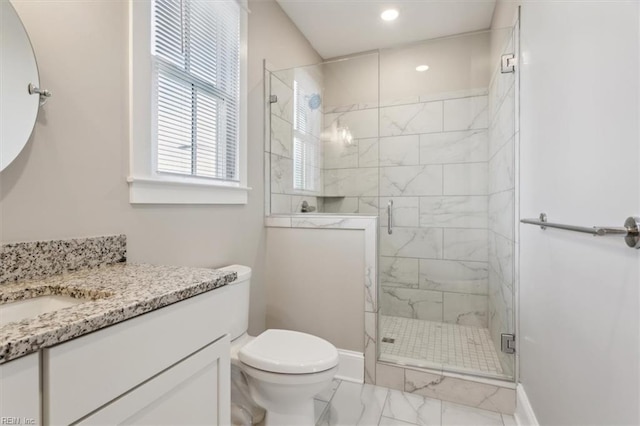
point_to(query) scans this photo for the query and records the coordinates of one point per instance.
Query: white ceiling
(342, 27)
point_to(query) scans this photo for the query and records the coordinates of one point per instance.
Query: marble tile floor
(350, 404)
(436, 344)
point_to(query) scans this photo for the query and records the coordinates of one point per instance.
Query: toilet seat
(289, 352)
(295, 380)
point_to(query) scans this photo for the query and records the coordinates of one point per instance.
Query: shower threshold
(436, 345)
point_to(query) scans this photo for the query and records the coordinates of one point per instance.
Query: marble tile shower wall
(280, 153)
(503, 136)
(429, 156)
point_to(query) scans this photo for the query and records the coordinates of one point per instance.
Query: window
(306, 137)
(196, 48)
(189, 113)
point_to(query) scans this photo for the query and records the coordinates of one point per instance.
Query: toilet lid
(289, 352)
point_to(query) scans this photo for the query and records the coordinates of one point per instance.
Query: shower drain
(388, 340)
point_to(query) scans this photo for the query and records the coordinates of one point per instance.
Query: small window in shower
(306, 134)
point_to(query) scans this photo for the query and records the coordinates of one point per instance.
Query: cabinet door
(20, 391)
(193, 392)
(116, 359)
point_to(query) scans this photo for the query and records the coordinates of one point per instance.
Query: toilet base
(244, 410)
(287, 398)
(299, 415)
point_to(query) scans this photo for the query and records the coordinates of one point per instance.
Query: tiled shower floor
(434, 344)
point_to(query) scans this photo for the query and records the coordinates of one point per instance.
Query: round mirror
(18, 69)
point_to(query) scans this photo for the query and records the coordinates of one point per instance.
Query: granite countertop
(119, 292)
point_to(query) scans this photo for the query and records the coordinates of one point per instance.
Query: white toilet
(284, 369)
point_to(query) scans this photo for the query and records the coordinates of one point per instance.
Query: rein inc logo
(6, 420)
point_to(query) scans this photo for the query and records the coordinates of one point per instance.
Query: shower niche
(425, 137)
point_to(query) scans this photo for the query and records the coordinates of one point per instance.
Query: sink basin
(30, 308)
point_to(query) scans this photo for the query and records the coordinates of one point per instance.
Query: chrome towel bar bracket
(630, 231)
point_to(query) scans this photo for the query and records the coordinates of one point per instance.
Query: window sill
(177, 191)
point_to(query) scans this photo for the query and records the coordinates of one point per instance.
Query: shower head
(315, 101)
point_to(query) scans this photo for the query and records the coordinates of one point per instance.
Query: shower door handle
(390, 217)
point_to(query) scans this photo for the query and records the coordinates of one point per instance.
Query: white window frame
(146, 185)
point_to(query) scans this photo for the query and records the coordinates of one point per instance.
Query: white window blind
(306, 147)
(196, 65)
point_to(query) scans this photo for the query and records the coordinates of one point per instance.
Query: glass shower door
(446, 175)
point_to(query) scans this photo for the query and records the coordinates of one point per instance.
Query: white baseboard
(351, 366)
(524, 412)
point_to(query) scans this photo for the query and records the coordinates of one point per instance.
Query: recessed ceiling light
(389, 14)
(422, 68)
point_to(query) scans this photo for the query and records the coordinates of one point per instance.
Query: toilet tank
(239, 300)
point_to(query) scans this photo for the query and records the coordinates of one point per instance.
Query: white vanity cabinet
(189, 393)
(168, 366)
(20, 391)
